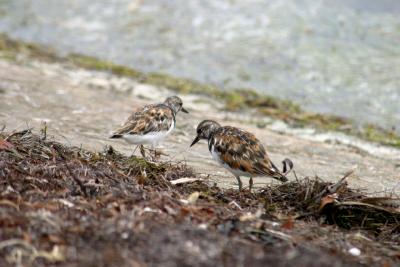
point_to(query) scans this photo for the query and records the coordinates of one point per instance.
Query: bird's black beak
(197, 139)
(184, 110)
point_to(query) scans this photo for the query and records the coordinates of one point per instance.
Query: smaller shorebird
(151, 124)
(240, 152)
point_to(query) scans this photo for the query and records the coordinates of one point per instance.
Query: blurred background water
(337, 57)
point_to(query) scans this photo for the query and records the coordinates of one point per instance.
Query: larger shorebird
(151, 124)
(240, 152)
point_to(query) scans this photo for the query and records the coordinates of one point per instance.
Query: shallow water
(339, 57)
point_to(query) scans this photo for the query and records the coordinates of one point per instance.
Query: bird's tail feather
(287, 166)
(115, 136)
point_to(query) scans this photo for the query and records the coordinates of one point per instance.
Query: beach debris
(184, 180)
(288, 223)
(57, 199)
(355, 251)
(386, 202)
(329, 199)
(193, 197)
(235, 204)
(5, 145)
(20, 249)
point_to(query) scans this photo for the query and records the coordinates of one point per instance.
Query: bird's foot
(142, 151)
(156, 154)
(250, 184)
(239, 183)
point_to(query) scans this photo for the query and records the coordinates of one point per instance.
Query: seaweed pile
(66, 206)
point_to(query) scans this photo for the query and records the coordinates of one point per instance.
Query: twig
(77, 180)
(43, 131)
(184, 180)
(303, 215)
(16, 241)
(54, 255)
(9, 203)
(234, 203)
(295, 175)
(23, 132)
(333, 188)
(277, 234)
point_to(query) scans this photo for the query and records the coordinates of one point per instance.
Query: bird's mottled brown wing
(243, 151)
(140, 111)
(154, 118)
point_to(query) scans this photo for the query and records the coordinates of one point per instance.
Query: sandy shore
(82, 107)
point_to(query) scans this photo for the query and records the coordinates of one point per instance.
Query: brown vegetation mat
(65, 206)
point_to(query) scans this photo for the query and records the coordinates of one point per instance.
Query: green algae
(384, 136)
(235, 99)
(93, 63)
(11, 49)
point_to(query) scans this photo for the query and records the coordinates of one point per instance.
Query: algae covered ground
(66, 206)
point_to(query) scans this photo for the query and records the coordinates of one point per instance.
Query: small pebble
(355, 251)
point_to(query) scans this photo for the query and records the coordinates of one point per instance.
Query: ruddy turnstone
(151, 124)
(240, 152)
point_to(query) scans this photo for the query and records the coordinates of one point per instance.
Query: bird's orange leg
(239, 182)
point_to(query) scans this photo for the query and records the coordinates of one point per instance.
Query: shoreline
(234, 100)
(83, 106)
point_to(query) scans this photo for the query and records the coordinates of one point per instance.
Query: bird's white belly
(149, 138)
(235, 172)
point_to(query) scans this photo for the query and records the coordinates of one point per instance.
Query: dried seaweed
(67, 206)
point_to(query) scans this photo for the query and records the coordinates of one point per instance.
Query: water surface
(338, 57)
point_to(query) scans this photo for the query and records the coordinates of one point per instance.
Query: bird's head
(175, 103)
(205, 129)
